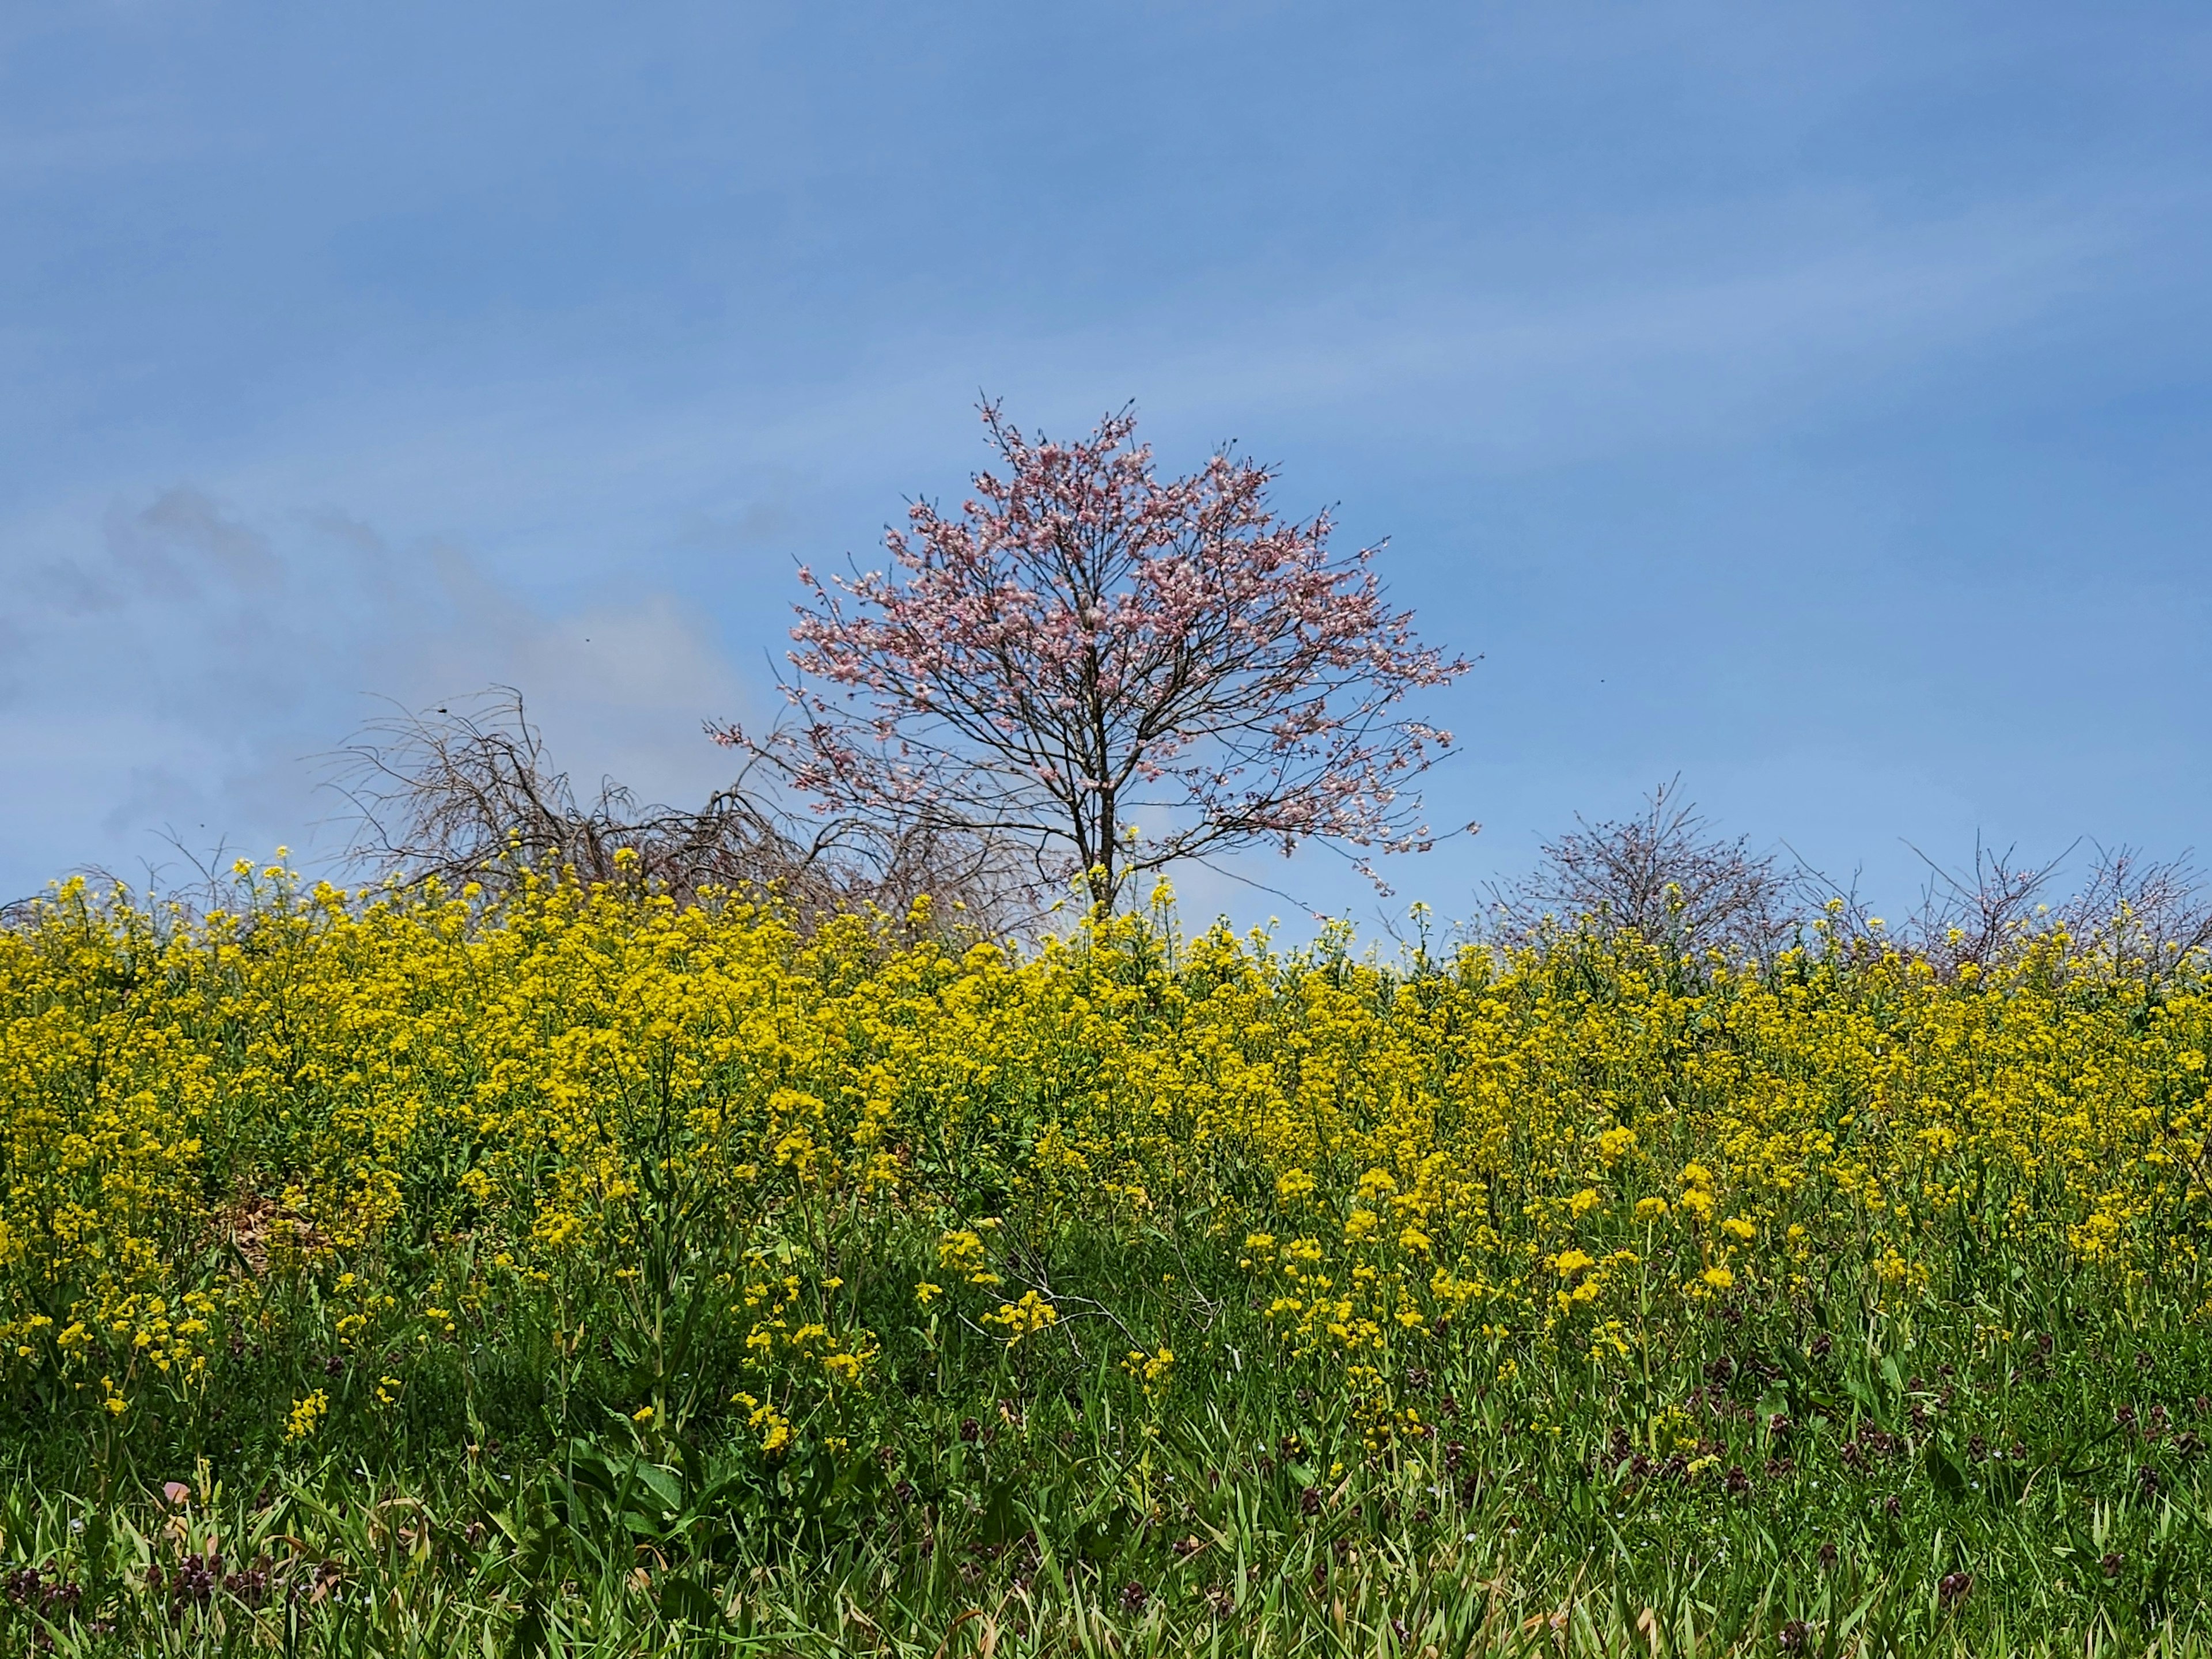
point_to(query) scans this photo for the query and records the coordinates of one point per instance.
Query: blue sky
(1816, 402)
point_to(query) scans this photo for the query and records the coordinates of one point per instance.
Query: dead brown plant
(467, 793)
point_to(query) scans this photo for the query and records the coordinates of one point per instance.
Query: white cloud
(187, 673)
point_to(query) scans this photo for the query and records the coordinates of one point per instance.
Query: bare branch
(1984, 914)
(2138, 914)
(1661, 875)
(466, 793)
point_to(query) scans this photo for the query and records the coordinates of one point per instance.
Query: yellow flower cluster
(1541, 1144)
(1027, 1317)
(307, 1416)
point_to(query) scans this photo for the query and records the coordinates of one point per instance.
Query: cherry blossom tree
(1113, 671)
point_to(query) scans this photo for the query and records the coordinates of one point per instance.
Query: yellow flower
(1150, 1369)
(307, 1415)
(1024, 1318)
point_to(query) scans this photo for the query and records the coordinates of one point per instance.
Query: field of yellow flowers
(413, 1272)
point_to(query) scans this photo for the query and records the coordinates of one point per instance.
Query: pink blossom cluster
(1086, 645)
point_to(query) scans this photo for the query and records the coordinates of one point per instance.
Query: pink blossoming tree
(1113, 671)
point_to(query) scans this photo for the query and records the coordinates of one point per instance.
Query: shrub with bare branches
(467, 793)
(2136, 914)
(1662, 874)
(1984, 914)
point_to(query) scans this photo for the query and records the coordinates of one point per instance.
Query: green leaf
(683, 1601)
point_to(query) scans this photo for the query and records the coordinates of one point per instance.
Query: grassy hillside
(407, 1274)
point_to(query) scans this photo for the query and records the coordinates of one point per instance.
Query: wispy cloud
(187, 674)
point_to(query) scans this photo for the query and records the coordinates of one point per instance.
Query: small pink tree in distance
(1086, 645)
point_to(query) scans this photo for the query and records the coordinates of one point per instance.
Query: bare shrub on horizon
(1662, 874)
(1667, 876)
(2140, 912)
(467, 793)
(1984, 914)
(2132, 915)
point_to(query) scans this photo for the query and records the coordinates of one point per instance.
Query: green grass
(1932, 1490)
